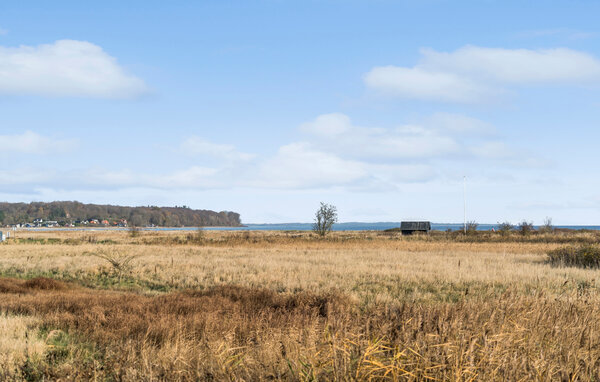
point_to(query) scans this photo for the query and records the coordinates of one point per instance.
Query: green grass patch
(104, 278)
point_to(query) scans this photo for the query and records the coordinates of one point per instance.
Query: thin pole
(465, 204)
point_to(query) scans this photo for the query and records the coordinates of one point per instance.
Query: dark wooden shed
(408, 228)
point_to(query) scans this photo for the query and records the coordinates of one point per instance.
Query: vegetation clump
(505, 228)
(583, 256)
(325, 218)
(471, 227)
(525, 228)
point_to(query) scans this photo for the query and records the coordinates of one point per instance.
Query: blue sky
(267, 108)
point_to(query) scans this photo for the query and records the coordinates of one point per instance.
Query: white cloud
(328, 125)
(335, 133)
(567, 33)
(459, 124)
(193, 177)
(12, 177)
(196, 146)
(65, 68)
(334, 154)
(516, 65)
(3, 31)
(33, 143)
(475, 74)
(418, 83)
(298, 165)
(493, 150)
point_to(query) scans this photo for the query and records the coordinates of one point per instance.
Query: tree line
(72, 211)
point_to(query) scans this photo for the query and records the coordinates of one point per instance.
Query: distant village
(38, 223)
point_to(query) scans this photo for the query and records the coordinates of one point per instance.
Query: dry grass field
(109, 305)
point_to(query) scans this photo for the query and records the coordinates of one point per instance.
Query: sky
(267, 108)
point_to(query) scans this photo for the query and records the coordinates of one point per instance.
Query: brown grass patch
(234, 333)
(285, 306)
(11, 285)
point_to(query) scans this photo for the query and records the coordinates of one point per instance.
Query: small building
(408, 228)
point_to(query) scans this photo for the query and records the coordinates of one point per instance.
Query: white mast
(465, 204)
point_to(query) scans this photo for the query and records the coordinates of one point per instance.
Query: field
(290, 306)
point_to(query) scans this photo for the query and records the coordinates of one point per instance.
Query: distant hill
(72, 212)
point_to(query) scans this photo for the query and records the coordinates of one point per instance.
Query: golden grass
(366, 266)
(19, 341)
(285, 306)
(233, 333)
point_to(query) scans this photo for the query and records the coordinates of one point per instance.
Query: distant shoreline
(348, 226)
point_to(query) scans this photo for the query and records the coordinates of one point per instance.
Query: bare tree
(325, 218)
(547, 227)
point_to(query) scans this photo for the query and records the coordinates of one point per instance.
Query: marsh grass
(19, 343)
(582, 256)
(233, 333)
(290, 306)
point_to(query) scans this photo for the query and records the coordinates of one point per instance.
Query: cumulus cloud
(516, 65)
(493, 150)
(336, 133)
(422, 84)
(334, 153)
(65, 68)
(33, 143)
(472, 73)
(459, 124)
(196, 146)
(298, 165)
(192, 177)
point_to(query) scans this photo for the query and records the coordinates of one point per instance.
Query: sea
(350, 226)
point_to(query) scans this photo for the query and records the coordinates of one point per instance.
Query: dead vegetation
(233, 333)
(361, 306)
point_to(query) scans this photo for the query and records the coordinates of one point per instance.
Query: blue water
(308, 226)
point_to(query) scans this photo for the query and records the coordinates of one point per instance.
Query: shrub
(505, 228)
(197, 237)
(472, 227)
(584, 256)
(134, 231)
(121, 263)
(547, 227)
(525, 228)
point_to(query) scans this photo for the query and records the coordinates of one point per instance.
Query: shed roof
(416, 226)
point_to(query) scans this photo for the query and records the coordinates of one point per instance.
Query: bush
(197, 237)
(471, 227)
(134, 231)
(584, 256)
(547, 227)
(505, 228)
(525, 228)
